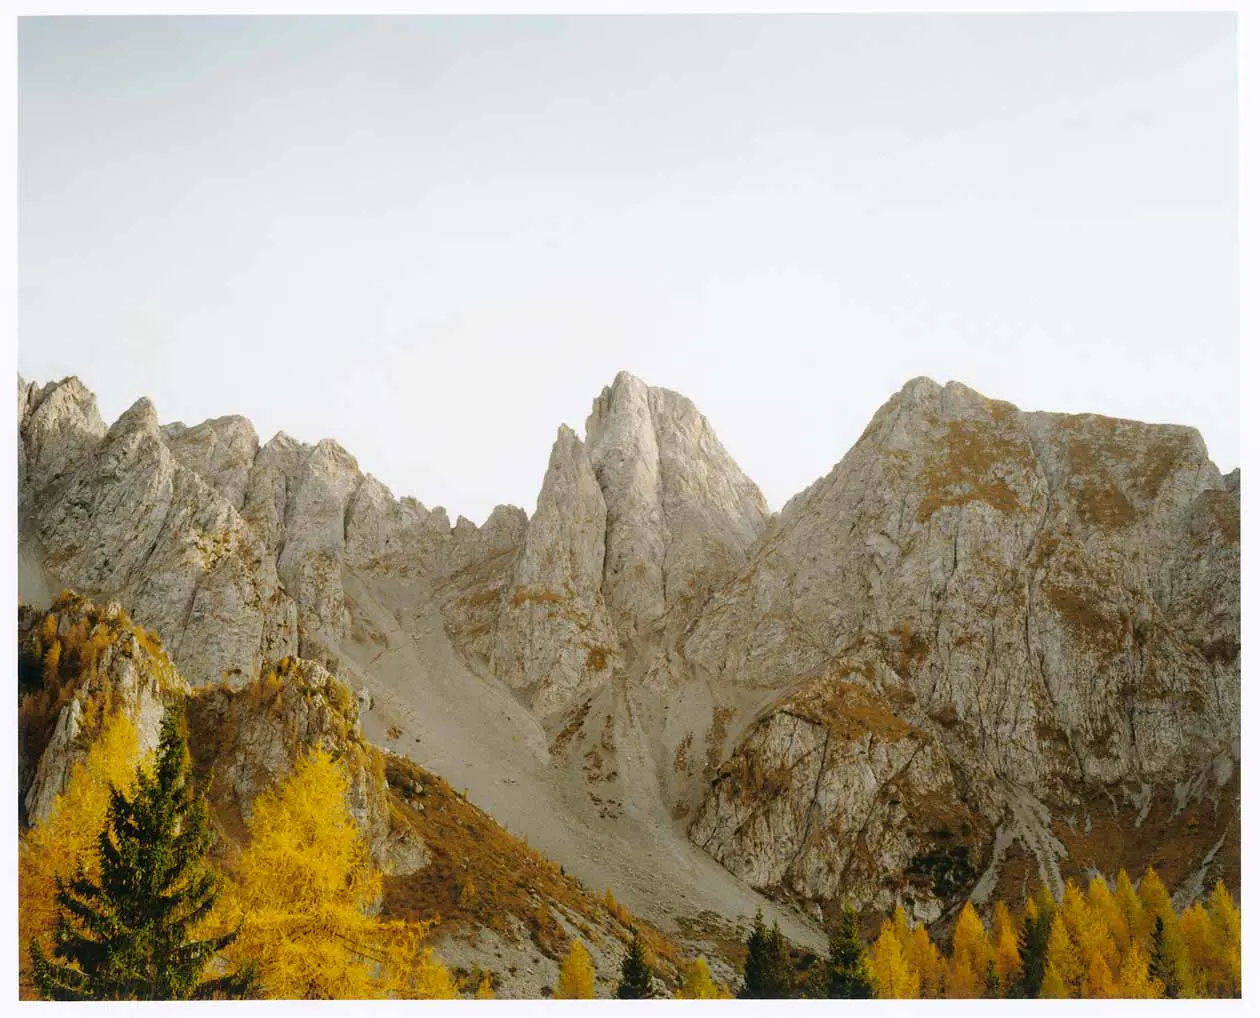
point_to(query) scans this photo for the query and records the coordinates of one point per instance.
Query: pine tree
(577, 974)
(636, 976)
(848, 975)
(767, 969)
(992, 984)
(1034, 940)
(66, 840)
(132, 933)
(1161, 966)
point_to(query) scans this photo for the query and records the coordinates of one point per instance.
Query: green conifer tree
(849, 977)
(1034, 938)
(636, 976)
(130, 935)
(1162, 966)
(768, 967)
(992, 984)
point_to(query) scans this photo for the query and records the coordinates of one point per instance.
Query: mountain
(989, 648)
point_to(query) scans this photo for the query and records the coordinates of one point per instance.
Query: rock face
(248, 740)
(101, 661)
(554, 639)
(129, 520)
(1034, 587)
(982, 636)
(221, 452)
(680, 514)
(832, 790)
(58, 426)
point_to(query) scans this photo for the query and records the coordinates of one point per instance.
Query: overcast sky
(437, 239)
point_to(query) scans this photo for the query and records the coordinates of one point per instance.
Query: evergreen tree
(767, 969)
(992, 983)
(130, 934)
(1034, 940)
(1161, 966)
(848, 974)
(636, 977)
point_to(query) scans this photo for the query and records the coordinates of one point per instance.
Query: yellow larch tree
(1129, 908)
(969, 963)
(1226, 921)
(1202, 949)
(1088, 922)
(926, 962)
(67, 838)
(405, 968)
(577, 974)
(1135, 981)
(485, 988)
(1074, 909)
(891, 974)
(305, 884)
(1063, 955)
(1053, 986)
(1005, 947)
(1157, 904)
(698, 982)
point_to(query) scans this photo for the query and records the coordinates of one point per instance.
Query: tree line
(117, 901)
(1091, 942)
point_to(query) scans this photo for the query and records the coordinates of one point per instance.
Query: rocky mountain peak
(681, 514)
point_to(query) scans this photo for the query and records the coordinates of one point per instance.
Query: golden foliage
(304, 884)
(893, 977)
(969, 962)
(1135, 981)
(1005, 948)
(1101, 944)
(1063, 957)
(698, 983)
(577, 974)
(67, 839)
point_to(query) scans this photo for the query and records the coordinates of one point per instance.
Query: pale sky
(437, 239)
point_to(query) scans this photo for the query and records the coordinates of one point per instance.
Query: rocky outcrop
(247, 740)
(77, 663)
(133, 522)
(681, 516)
(221, 452)
(1036, 587)
(58, 426)
(554, 641)
(832, 794)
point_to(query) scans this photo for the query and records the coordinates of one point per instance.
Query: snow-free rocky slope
(990, 647)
